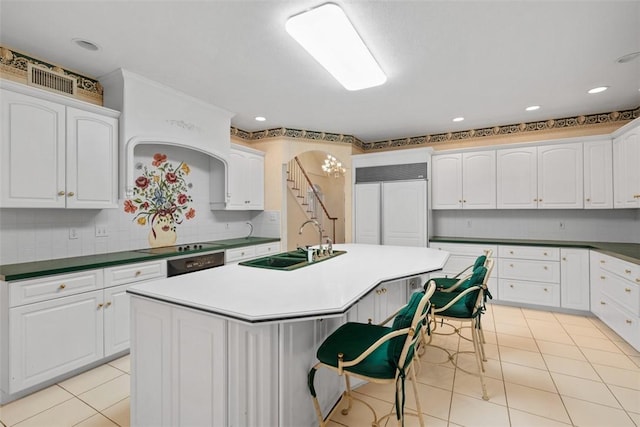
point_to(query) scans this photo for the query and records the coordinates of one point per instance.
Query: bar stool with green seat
(446, 282)
(465, 304)
(378, 354)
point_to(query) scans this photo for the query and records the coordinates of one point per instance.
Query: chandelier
(333, 167)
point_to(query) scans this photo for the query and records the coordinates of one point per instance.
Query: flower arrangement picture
(160, 199)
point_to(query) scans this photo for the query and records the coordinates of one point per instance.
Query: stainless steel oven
(189, 258)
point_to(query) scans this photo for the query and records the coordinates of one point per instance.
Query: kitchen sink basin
(287, 261)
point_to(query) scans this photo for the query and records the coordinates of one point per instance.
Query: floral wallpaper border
(567, 122)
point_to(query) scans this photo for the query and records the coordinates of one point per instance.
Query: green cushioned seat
(447, 282)
(464, 307)
(352, 339)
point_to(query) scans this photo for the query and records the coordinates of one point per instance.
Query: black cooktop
(181, 249)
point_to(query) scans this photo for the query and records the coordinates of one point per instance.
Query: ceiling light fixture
(260, 119)
(86, 44)
(333, 167)
(327, 34)
(628, 57)
(532, 108)
(458, 119)
(598, 89)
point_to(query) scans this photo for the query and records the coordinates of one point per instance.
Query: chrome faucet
(250, 230)
(317, 224)
(329, 246)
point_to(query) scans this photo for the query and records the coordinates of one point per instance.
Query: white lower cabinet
(615, 295)
(245, 253)
(380, 303)
(574, 278)
(58, 324)
(51, 338)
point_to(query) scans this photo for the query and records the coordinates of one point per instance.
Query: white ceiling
(484, 60)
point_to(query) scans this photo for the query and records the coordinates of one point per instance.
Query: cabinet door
(517, 180)
(32, 156)
(404, 213)
(367, 213)
(255, 183)
(446, 187)
(598, 175)
(51, 338)
(560, 176)
(479, 180)
(574, 278)
(626, 173)
(392, 296)
(92, 162)
(236, 185)
(116, 319)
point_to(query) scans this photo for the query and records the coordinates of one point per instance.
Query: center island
(232, 346)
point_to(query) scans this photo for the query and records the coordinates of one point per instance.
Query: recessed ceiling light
(327, 34)
(260, 119)
(598, 89)
(458, 119)
(86, 44)
(532, 108)
(628, 57)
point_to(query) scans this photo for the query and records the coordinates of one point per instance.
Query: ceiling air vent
(50, 80)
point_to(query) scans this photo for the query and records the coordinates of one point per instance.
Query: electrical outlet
(226, 226)
(73, 233)
(101, 231)
(468, 223)
(562, 225)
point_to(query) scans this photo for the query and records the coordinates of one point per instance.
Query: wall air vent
(50, 80)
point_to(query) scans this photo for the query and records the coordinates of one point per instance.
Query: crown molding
(576, 122)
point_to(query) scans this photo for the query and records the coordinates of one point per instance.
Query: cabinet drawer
(529, 252)
(620, 320)
(539, 271)
(138, 272)
(473, 251)
(529, 292)
(619, 267)
(239, 254)
(267, 249)
(45, 288)
(622, 291)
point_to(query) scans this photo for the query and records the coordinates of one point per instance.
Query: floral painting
(161, 199)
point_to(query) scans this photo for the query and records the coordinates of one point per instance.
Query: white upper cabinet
(56, 156)
(517, 178)
(367, 213)
(464, 180)
(598, 175)
(560, 176)
(545, 177)
(245, 181)
(626, 169)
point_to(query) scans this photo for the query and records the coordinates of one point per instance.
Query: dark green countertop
(629, 252)
(27, 270)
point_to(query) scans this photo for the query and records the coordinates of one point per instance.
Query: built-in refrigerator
(391, 205)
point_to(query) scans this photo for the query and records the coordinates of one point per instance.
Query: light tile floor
(543, 369)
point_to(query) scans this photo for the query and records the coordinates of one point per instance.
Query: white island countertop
(327, 288)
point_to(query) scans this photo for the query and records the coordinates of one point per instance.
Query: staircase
(308, 198)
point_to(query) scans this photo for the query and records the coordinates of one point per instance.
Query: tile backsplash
(40, 234)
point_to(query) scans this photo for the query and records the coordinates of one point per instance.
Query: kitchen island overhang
(321, 290)
(208, 351)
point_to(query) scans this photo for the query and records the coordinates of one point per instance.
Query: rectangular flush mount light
(327, 34)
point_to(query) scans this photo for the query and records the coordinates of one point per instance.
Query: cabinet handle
(370, 321)
(546, 290)
(602, 277)
(378, 291)
(511, 252)
(627, 271)
(100, 306)
(588, 200)
(71, 194)
(464, 201)
(545, 254)
(62, 286)
(138, 273)
(108, 304)
(511, 286)
(628, 322)
(638, 280)
(564, 258)
(602, 261)
(511, 265)
(603, 303)
(539, 200)
(546, 268)
(60, 193)
(627, 289)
